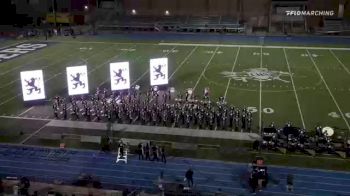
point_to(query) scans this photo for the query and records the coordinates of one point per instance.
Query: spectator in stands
(1, 187)
(155, 153)
(121, 149)
(72, 33)
(146, 151)
(139, 151)
(161, 181)
(46, 33)
(290, 182)
(189, 177)
(126, 192)
(162, 154)
(24, 185)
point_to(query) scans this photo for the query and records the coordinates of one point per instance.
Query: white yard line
(46, 66)
(23, 118)
(205, 68)
(146, 72)
(10, 99)
(139, 78)
(19, 94)
(33, 134)
(183, 62)
(30, 62)
(252, 46)
(260, 91)
(294, 89)
(233, 67)
(54, 76)
(100, 42)
(107, 61)
(28, 54)
(27, 110)
(14, 44)
(329, 91)
(341, 63)
(49, 55)
(43, 67)
(208, 45)
(9, 83)
(100, 65)
(117, 56)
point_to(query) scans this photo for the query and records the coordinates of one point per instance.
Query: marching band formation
(155, 107)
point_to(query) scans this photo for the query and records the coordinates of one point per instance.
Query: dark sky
(289, 0)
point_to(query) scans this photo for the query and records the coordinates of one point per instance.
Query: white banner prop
(32, 85)
(77, 80)
(120, 76)
(159, 71)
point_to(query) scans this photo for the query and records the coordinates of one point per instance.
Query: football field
(307, 86)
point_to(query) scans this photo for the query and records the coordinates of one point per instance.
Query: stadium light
(167, 13)
(133, 12)
(86, 7)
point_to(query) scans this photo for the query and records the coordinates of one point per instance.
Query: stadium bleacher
(170, 23)
(334, 26)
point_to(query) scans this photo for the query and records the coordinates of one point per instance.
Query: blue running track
(48, 164)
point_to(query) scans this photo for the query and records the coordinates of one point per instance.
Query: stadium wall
(184, 7)
(317, 21)
(241, 9)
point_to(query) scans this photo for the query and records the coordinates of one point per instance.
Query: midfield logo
(257, 74)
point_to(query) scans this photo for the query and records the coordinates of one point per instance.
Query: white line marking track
(294, 89)
(330, 92)
(252, 46)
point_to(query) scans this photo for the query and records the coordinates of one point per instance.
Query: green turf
(125, 38)
(233, 154)
(316, 97)
(319, 93)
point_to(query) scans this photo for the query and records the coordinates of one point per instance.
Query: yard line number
(258, 53)
(307, 55)
(170, 51)
(128, 49)
(265, 110)
(212, 52)
(336, 115)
